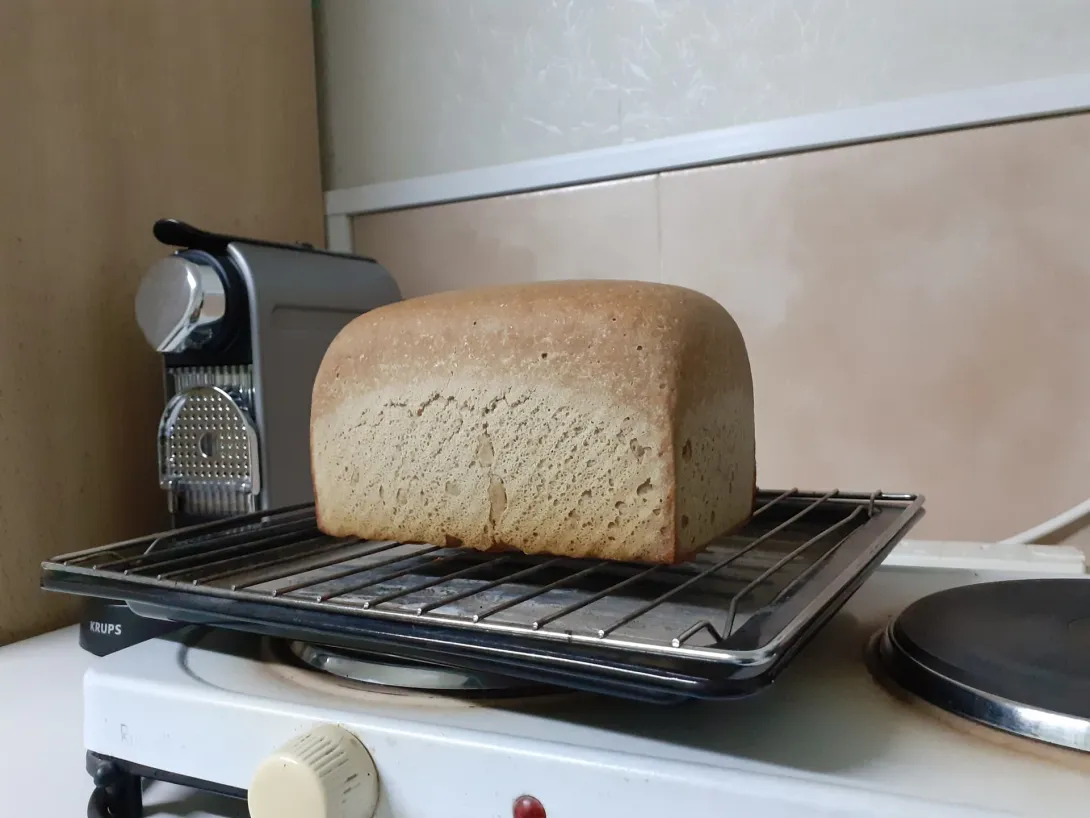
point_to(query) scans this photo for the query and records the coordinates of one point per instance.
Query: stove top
(1013, 655)
(826, 739)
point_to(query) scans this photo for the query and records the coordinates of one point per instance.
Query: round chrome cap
(179, 303)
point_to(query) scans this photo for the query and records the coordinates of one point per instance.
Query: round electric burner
(394, 674)
(1012, 655)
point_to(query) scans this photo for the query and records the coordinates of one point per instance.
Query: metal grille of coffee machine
(208, 452)
(209, 458)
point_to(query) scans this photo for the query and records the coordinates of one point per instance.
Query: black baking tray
(775, 583)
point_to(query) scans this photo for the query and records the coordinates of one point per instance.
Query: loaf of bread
(609, 419)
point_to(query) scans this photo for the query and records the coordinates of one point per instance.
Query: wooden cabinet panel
(114, 113)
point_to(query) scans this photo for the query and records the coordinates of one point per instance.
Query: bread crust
(557, 417)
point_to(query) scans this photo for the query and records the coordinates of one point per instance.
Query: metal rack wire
(732, 614)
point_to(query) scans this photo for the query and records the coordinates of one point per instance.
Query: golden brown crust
(631, 352)
(445, 324)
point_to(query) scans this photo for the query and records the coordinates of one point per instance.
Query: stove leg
(117, 794)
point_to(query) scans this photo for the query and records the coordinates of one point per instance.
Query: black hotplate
(1014, 655)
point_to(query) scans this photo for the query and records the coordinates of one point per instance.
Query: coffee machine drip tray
(208, 452)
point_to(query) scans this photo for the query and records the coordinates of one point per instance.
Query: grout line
(658, 226)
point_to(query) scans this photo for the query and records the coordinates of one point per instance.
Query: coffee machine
(242, 325)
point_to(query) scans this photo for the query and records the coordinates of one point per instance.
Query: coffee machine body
(242, 326)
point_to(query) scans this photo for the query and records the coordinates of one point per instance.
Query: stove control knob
(179, 304)
(323, 773)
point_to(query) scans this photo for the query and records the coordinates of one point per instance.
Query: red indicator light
(526, 806)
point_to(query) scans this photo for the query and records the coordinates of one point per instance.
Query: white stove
(825, 740)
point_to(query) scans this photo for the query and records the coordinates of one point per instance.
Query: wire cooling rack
(722, 624)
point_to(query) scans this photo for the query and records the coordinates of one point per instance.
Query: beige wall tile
(917, 311)
(595, 231)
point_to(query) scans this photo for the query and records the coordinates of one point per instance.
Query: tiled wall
(418, 87)
(917, 311)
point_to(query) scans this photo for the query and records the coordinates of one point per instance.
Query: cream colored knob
(324, 773)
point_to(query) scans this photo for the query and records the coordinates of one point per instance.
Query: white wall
(412, 88)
